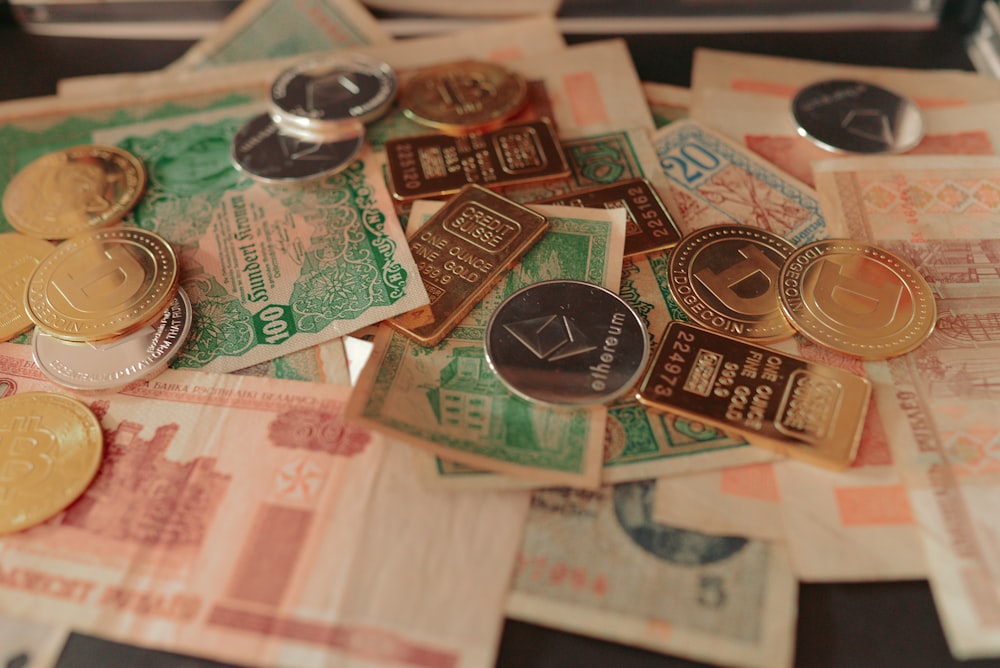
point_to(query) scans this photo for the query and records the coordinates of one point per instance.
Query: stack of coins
(745, 286)
(315, 125)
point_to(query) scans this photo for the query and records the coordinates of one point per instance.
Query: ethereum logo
(869, 124)
(330, 90)
(550, 337)
(294, 149)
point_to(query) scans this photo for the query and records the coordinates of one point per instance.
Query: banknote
(485, 9)
(448, 401)
(28, 644)
(597, 563)
(639, 443)
(262, 29)
(939, 401)
(666, 102)
(324, 363)
(716, 181)
(269, 269)
(496, 41)
(241, 519)
(783, 77)
(764, 124)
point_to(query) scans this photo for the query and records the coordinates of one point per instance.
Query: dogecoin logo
(852, 301)
(724, 285)
(92, 288)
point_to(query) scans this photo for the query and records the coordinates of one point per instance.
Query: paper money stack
(314, 482)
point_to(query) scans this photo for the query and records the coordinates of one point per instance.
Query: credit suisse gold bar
(427, 166)
(649, 226)
(796, 407)
(461, 252)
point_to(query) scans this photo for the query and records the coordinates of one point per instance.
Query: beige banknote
(483, 9)
(496, 41)
(666, 102)
(242, 519)
(447, 401)
(598, 563)
(262, 29)
(783, 77)
(29, 644)
(939, 401)
(764, 124)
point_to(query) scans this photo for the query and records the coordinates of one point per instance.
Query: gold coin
(102, 284)
(463, 97)
(856, 298)
(725, 278)
(21, 255)
(50, 449)
(67, 192)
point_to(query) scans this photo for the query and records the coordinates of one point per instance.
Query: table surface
(839, 625)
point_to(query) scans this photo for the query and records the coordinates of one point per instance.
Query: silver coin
(567, 343)
(262, 150)
(112, 366)
(857, 117)
(318, 94)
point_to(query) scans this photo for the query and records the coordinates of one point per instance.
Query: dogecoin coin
(856, 298)
(461, 97)
(111, 366)
(566, 343)
(857, 117)
(102, 284)
(317, 95)
(263, 151)
(725, 278)
(50, 450)
(22, 254)
(67, 192)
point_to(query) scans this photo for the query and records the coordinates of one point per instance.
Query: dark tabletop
(839, 625)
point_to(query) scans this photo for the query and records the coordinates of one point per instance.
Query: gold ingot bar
(798, 408)
(462, 251)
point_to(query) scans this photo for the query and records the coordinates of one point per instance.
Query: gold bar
(785, 403)
(462, 251)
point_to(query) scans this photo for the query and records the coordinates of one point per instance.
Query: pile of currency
(492, 329)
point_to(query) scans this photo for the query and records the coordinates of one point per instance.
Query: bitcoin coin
(317, 95)
(857, 117)
(263, 151)
(462, 97)
(725, 278)
(50, 449)
(856, 298)
(111, 366)
(566, 343)
(21, 254)
(102, 284)
(67, 192)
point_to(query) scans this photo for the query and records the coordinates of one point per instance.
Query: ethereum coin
(111, 366)
(856, 298)
(317, 95)
(102, 284)
(67, 192)
(21, 254)
(267, 154)
(50, 449)
(461, 97)
(566, 343)
(725, 278)
(857, 117)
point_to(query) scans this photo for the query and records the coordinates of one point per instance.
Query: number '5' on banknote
(715, 181)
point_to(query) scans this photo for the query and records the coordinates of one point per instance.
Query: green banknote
(599, 564)
(448, 401)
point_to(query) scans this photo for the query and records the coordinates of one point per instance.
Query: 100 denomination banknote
(939, 401)
(715, 181)
(269, 269)
(448, 401)
(243, 519)
(597, 563)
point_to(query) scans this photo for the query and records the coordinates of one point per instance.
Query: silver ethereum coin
(318, 94)
(112, 366)
(857, 117)
(567, 343)
(265, 152)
